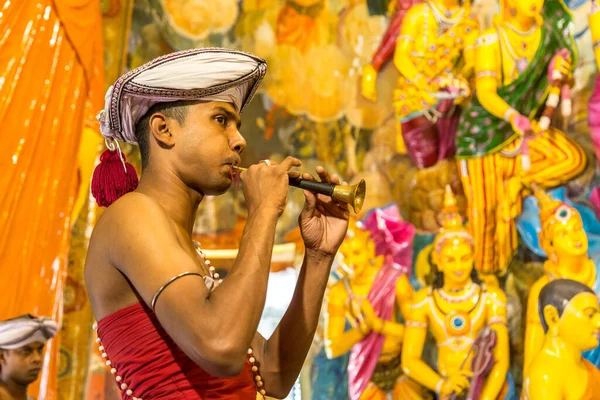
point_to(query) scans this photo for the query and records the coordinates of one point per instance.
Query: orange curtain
(51, 81)
(82, 371)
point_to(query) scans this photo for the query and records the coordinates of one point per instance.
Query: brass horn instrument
(353, 195)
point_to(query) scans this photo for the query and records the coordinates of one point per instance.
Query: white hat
(211, 74)
(26, 329)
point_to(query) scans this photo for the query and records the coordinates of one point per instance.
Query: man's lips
(232, 161)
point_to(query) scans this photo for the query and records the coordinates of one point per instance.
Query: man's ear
(159, 129)
(550, 315)
(3, 354)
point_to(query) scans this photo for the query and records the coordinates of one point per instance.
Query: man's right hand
(266, 187)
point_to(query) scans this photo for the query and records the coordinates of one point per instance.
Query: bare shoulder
(414, 16)
(4, 393)
(128, 213)
(539, 284)
(495, 294)
(132, 223)
(133, 250)
(337, 294)
(404, 290)
(421, 296)
(545, 371)
(536, 288)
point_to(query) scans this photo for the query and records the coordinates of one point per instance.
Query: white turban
(211, 74)
(22, 331)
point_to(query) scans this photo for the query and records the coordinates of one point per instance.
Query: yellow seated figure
(571, 319)
(347, 302)
(513, 62)
(565, 242)
(456, 309)
(434, 55)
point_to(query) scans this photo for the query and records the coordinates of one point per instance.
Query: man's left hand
(323, 221)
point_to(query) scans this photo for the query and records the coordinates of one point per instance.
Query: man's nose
(237, 143)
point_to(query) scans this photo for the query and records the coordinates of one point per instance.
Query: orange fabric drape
(50, 68)
(83, 374)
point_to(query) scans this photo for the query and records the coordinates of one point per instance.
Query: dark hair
(558, 293)
(176, 110)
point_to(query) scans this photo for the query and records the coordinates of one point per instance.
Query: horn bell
(353, 195)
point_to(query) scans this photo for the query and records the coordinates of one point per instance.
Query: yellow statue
(435, 58)
(374, 339)
(528, 46)
(569, 312)
(462, 315)
(565, 242)
(594, 102)
(595, 30)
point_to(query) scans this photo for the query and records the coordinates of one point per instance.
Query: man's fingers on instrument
(341, 213)
(294, 174)
(320, 208)
(308, 176)
(325, 200)
(323, 174)
(290, 162)
(335, 179)
(333, 207)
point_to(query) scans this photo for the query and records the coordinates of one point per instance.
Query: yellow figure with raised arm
(366, 298)
(434, 55)
(466, 318)
(565, 242)
(522, 65)
(594, 103)
(570, 315)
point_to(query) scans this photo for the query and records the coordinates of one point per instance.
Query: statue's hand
(369, 316)
(425, 87)
(369, 83)
(455, 383)
(457, 87)
(355, 310)
(560, 66)
(521, 124)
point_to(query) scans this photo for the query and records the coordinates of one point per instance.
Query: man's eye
(221, 120)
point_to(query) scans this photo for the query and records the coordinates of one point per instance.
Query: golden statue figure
(571, 319)
(504, 137)
(435, 57)
(467, 319)
(566, 244)
(361, 317)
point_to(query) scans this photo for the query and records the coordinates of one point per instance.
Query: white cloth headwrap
(210, 74)
(19, 332)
